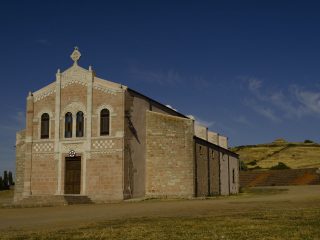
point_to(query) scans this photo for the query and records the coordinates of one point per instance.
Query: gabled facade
(91, 137)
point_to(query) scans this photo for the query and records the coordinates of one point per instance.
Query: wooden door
(72, 175)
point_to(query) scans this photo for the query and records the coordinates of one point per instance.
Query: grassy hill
(294, 155)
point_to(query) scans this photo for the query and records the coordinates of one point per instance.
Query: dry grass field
(6, 197)
(294, 155)
(259, 213)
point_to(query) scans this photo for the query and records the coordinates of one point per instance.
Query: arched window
(45, 125)
(80, 124)
(68, 125)
(104, 122)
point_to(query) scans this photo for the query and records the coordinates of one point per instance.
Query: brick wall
(169, 156)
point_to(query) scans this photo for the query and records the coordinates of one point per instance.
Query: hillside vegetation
(294, 155)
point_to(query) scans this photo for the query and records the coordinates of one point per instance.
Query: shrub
(308, 141)
(256, 168)
(252, 163)
(243, 166)
(279, 166)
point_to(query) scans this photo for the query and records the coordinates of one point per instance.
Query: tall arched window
(68, 125)
(45, 125)
(104, 122)
(80, 124)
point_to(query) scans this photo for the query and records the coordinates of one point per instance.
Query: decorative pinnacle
(75, 56)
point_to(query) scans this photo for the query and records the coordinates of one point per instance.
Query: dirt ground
(78, 215)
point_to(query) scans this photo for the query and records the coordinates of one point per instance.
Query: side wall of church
(224, 174)
(136, 106)
(20, 160)
(169, 156)
(214, 171)
(234, 175)
(217, 169)
(207, 169)
(229, 174)
(135, 145)
(201, 169)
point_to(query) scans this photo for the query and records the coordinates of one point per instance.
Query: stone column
(57, 154)
(87, 154)
(27, 190)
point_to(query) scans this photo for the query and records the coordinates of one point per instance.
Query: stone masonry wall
(224, 174)
(104, 176)
(202, 170)
(169, 156)
(201, 131)
(214, 171)
(43, 173)
(20, 158)
(223, 141)
(207, 162)
(43, 165)
(44, 105)
(135, 145)
(213, 137)
(234, 175)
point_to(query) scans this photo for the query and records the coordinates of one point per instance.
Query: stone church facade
(86, 136)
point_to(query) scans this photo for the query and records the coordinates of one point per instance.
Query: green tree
(10, 179)
(5, 179)
(1, 183)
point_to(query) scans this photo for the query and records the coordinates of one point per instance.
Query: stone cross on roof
(75, 56)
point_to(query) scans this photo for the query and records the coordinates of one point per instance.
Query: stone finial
(75, 56)
(90, 68)
(30, 95)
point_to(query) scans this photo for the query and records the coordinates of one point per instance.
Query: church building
(86, 136)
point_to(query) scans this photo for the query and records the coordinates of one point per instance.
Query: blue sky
(248, 69)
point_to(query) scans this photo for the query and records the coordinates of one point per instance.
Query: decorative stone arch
(73, 108)
(112, 114)
(38, 119)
